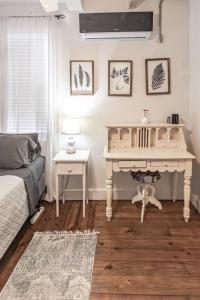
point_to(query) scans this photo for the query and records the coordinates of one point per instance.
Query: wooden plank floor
(156, 260)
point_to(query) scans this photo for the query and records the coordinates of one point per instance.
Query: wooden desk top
(152, 154)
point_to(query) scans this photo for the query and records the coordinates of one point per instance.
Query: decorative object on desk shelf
(82, 77)
(145, 119)
(120, 77)
(62, 271)
(71, 127)
(175, 119)
(157, 76)
(169, 120)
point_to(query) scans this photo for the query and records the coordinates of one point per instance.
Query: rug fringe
(64, 232)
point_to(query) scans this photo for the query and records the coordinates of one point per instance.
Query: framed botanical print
(120, 77)
(81, 77)
(157, 76)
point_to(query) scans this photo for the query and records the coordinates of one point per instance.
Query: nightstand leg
(57, 196)
(63, 189)
(87, 192)
(84, 189)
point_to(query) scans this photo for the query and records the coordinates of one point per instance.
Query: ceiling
(23, 7)
(17, 1)
(21, 1)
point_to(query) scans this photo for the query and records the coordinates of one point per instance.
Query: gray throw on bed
(31, 176)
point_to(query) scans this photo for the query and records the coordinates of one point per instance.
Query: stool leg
(137, 197)
(155, 202)
(143, 210)
(144, 201)
(151, 198)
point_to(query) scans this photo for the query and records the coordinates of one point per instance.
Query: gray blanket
(31, 180)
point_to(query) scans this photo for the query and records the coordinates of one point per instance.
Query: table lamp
(71, 127)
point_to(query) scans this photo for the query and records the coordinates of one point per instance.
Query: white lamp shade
(49, 5)
(71, 126)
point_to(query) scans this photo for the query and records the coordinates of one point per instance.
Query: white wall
(100, 109)
(194, 104)
(97, 110)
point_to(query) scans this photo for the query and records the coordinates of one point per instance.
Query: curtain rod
(58, 17)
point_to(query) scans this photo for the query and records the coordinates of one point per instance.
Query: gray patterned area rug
(55, 266)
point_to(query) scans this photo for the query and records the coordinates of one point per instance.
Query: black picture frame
(158, 81)
(123, 70)
(81, 77)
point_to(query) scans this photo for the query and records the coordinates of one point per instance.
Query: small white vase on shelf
(145, 119)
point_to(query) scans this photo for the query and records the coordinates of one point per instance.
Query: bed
(33, 177)
(13, 209)
(20, 192)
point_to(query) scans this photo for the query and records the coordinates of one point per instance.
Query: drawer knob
(166, 165)
(70, 170)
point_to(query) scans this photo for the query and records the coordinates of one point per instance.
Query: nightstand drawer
(68, 168)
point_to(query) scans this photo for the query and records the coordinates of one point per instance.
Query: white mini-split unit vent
(126, 25)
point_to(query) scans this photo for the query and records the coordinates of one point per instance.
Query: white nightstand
(71, 164)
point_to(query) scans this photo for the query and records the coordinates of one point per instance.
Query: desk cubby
(128, 138)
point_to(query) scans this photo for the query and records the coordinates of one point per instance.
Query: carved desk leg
(109, 190)
(175, 186)
(187, 183)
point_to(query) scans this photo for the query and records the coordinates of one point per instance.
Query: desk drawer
(69, 168)
(132, 164)
(161, 163)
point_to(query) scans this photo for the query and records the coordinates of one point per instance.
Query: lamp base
(71, 148)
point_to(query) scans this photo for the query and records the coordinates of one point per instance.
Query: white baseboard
(100, 194)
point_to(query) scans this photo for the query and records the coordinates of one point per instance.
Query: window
(27, 83)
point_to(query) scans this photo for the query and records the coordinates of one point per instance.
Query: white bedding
(13, 209)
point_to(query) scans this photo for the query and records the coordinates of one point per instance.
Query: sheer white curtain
(3, 74)
(27, 41)
(28, 100)
(53, 78)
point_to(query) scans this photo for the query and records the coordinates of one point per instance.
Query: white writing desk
(152, 147)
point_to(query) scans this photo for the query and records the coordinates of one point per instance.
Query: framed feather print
(120, 77)
(157, 76)
(81, 77)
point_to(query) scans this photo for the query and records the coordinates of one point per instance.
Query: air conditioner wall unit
(126, 25)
